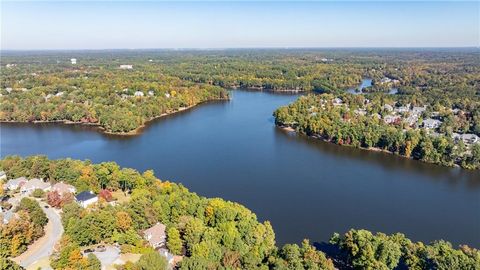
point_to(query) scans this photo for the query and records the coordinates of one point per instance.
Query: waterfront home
(470, 138)
(155, 235)
(466, 138)
(63, 188)
(86, 198)
(431, 123)
(14, 184)
(126, 66)
(33, 184)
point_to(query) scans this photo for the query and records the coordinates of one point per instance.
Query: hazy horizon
(95, 25)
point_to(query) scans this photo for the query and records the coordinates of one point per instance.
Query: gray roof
(85, 196)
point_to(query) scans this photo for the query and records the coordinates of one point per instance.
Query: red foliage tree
(54, 199)
(106, 195)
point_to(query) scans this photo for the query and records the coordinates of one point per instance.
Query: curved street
(43, 247)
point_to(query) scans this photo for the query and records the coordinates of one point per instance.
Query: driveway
(43, 247)
(109, 257)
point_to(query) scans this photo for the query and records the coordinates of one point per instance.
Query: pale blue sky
(114, 24)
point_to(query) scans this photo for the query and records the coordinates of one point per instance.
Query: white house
(155, 235)
(73, 61)
(86, 198)
(126, 66)
(33, 184)
(388, 107)
(3, 175)
(337, 101)
(431, 123)
(13, 184)
(466, 138)
(138, 94)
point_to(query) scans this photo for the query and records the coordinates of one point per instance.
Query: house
(391, 119)
(418, 110)
(33, 184)
(3, 175)
(402, 109)
(126, 66)
(86, 198)
(431, 123)
(360, 111)
(138, 94)
(8, 215)
(155, 235)
(337, 101)
(470, 138)
(388, 107)
(151, 93)
(63, 188)
(385, 80)
(14, 184)
(466, 138)
(73, 61)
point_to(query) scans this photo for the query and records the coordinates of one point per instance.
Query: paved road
(43, 247)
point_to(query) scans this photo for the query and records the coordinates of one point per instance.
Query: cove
(307, 188)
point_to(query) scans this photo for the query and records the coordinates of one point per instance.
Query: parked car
(46, 206)
(88, 250)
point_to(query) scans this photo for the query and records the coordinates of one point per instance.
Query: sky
(140, 25)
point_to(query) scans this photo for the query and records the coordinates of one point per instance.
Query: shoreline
(373, 149)
(134, 132)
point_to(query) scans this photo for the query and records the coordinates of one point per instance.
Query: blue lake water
(305, 187)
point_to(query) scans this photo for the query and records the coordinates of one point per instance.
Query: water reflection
(305, 187)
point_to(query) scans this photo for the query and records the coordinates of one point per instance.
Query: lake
(305, 187)
(367, 82)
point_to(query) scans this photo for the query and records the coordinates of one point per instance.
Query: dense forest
(121, 90)
(99, 93)
(210, 233)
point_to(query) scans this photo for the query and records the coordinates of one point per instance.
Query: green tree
(151, 261)
(174, 243)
